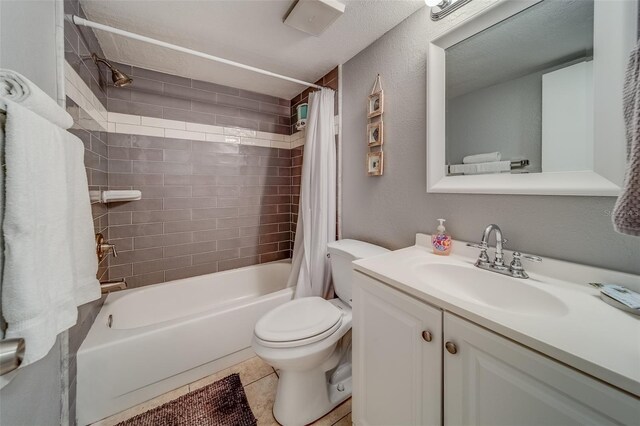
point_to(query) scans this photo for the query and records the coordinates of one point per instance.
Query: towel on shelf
(488, 157)
(49, 259)
(19, 89)
(480, 168)
(626, 213)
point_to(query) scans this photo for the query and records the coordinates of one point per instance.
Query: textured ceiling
(246, 31)
(540, 37)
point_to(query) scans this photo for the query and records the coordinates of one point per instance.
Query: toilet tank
(342, 253)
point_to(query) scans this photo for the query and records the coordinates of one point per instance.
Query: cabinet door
(491, 380)
(397, 373)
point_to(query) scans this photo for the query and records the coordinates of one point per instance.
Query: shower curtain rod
(86, 23)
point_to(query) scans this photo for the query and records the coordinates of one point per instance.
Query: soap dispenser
(440, 241)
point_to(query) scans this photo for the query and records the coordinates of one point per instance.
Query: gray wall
(505, 117)
(30, 48)
(397, 206)
(34, 396)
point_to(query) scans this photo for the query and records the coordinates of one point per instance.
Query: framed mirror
(525, 97)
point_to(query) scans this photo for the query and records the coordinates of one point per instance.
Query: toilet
(309, 341)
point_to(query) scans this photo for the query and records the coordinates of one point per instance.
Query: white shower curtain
(310, 272)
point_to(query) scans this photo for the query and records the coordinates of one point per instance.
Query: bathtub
(164, 336)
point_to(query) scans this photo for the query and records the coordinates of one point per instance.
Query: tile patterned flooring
(260, 382)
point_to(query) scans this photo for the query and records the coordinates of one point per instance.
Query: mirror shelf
(606, 52)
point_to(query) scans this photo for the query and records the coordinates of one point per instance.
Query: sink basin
(491, 289)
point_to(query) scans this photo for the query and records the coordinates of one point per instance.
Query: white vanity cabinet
(397, 357)
(488, 379)
(491, 380)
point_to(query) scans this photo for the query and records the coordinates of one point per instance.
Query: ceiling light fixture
(313, 16)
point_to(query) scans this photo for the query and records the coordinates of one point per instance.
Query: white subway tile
(139, 130)
(116, 117)
(255, 142)
(161, 122)
(184, 134)
(212, 137)
(297, 143)
(235, 131)
(204, 128)
(280, 144)
(111, 127)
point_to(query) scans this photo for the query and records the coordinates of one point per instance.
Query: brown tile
(191, 225)
(162, 240)
(215, 256)
(224, 265)
(238, 242)
(161, 265)
(270, 257)
(152, 216)
(123, 231)
(146, 279)
(134, 256)
(192, 248)
(217, 234)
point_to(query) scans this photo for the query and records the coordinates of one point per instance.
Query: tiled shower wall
(78, 43)
(159, 95)
(207, 206)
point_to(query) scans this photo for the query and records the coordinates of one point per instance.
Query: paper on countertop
(622, 294)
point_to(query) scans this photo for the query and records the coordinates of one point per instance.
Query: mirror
(525, 97)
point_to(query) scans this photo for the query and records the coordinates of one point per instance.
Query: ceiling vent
(314, 16)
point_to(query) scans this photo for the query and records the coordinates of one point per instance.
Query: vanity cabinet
(476, 375)
(491, 380)
(397, 357)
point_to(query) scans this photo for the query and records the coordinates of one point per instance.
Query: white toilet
(309, 341)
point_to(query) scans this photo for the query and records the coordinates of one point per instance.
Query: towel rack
(11, 354)
(515, 164)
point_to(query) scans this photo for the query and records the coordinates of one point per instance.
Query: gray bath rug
(222, 403)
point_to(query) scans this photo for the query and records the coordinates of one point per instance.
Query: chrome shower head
(119, 78)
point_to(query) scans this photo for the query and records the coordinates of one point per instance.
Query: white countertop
(592, 336)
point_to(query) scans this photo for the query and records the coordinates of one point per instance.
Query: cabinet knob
(451, 347)
(427, 336)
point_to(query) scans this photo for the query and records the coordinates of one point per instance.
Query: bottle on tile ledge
(441, 241)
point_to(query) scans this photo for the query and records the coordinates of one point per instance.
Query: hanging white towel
(49, 259)
(310, 269)
(488, 157)
(19, 89)
(480, 168)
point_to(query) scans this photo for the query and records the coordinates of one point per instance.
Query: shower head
(119, 78)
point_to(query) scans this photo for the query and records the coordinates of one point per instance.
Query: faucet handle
(481, 246)
(483, 258)
(529, 257)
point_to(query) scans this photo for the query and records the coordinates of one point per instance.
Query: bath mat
(222, 403)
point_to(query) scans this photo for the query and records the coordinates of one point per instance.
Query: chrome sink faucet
(515, 269)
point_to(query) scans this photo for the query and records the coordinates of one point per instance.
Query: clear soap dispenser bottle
(440, 241)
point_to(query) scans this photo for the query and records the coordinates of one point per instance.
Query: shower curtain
(310, 271)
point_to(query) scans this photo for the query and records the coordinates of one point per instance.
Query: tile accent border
(113, 122)
(78, 91)
(150, 126)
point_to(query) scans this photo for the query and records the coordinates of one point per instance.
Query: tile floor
(260, 382)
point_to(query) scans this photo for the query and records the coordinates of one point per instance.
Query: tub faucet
(515, 269)
(109, 286)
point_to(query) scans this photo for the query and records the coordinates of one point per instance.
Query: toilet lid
(298, 319)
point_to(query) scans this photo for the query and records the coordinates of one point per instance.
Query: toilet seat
(299, 322)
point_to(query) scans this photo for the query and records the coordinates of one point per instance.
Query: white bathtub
(167, 335)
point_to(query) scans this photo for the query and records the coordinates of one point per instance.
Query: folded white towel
(17, 88)
(488, 157)
(480, 168)
(50, 264)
